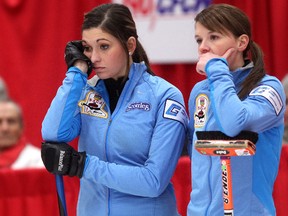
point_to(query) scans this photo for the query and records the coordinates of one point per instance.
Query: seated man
(15, 152)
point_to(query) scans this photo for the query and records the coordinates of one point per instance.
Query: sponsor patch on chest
(139, 106)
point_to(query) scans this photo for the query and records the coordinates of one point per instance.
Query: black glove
(74, 51)
(62, 159)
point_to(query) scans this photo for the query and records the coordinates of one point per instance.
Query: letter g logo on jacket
(175, 111)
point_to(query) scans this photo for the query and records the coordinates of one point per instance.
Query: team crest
(201, 110)
(93, 105)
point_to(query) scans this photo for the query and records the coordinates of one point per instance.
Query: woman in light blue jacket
(131, 124)
(237, 95)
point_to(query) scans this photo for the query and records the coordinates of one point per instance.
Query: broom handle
(61, 195)
(227, 185)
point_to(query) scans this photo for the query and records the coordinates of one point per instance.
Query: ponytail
(140, 55)
(256, 74)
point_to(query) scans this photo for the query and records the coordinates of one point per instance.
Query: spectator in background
(285, 85)
(15, 151)
(3, 90)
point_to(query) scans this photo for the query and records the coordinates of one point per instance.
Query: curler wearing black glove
(62, 159)
(73, 52)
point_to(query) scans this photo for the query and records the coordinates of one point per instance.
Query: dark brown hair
(226, 18)
(117, 20)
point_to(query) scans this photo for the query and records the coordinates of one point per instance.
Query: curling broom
(216, 143)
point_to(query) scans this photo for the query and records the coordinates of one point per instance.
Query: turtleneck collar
(114, 88)
(240, 74)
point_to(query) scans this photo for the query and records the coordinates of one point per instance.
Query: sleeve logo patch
(271, 95)
(175, 111)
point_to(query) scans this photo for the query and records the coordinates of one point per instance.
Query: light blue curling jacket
(132, 154)
(214, 105)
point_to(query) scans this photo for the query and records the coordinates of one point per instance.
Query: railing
(33, 192)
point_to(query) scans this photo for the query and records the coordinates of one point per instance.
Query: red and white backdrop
(34, 34)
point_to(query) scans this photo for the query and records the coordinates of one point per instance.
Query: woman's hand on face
(205, 57)
(74, 56)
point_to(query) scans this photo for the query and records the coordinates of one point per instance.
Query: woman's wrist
(81, 65)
